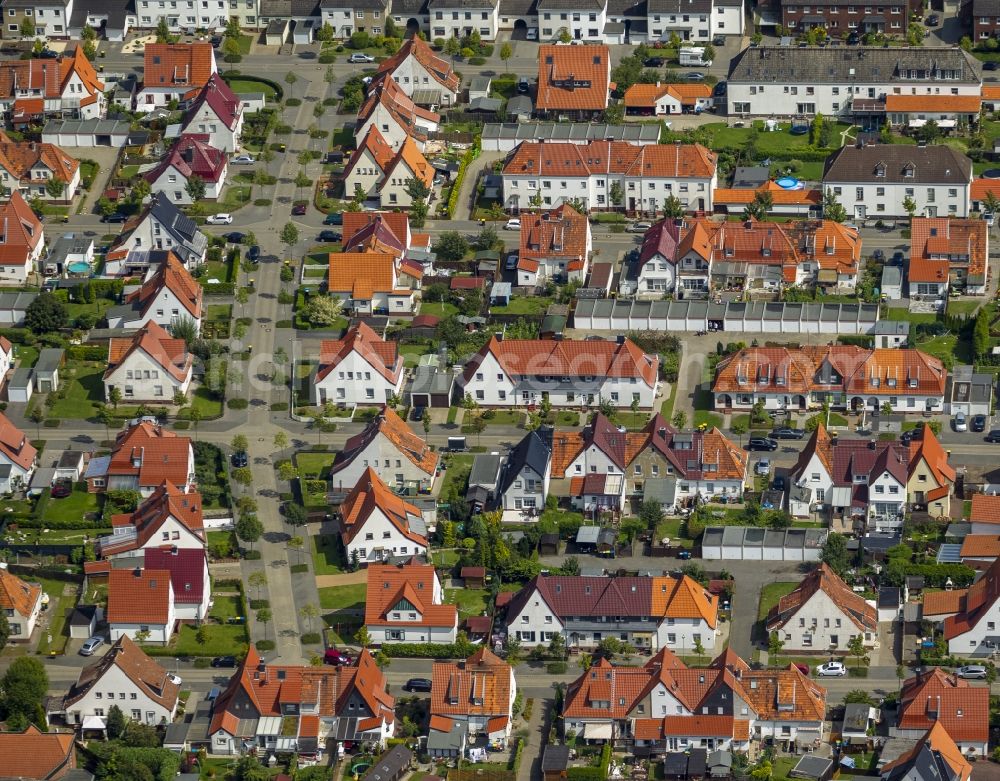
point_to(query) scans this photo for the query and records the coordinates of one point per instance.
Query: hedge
(87, 352)
(515, 761)
(219, 289)
(428, 650)
(69, 524)
(599, 773)
(467, 158)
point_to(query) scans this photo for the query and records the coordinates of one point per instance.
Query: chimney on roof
(871, 445)
(137, 572)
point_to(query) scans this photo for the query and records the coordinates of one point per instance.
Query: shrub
(52, 423)
(201, 662)
(477, 61)
(427, 650)
(279, 406)
(556, 668)
(237, 404)
(857, 672)
(293, 102)
(265, 645)
(262, 202)
(311, 638)
(178, 424)
(282, 129)
(258, 604)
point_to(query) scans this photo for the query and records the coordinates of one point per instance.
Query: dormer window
(880, 170)
(875, 382)
(908, 171)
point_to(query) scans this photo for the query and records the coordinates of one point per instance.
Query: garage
(86, 132)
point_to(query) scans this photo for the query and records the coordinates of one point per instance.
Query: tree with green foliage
(506, 52)
(4, 629)
(116, 723)
(708, 54)
(614, 114)
(451, 245)
(651, 514)
(249, 768)
(163, 31)
(909, 206)
(242, 475)
(680, 419)
(249, 529)
(45, 314)
(231, 51)
(363, 638)
(289, 235)
(27, 28)
(452, 47)
(196, 187)
(774, 646)
(832, 209)
(856, 647)
(673, 209)
(513, 652)
(290, 79)
(835, 554)
(264, 616)
(616, 193)
(55, 188)
(24, 687)
(257, 580)
(981, 335)
(858, 697)
(323, 309)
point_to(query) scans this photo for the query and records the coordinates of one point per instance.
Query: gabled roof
(375, 144)
(192, 155)
(360, 275)
(479, 686)
(574, 161)
(187, 568)
(14, 445)
(173, 276)
(406, 588)
(935, 696)
(371, 495)
(48, 79)
(951, 241)
(145, 674)
(180, 65)
(437, 67)
(573, 78)
(168, 353)
(401, 436)
(166, 502)
(975, 603)
(557, 233)
(985, 508)
(926, 448)
(20, 231)
(18, 595)
(223, 102)
(381, 355)
(139, 596)
(387, 232)
(19, 158)
(385, 92)
(935, 757)
(533, 451)
(695, 455)
(37, 755)
(660, 240)
(153, 454)
(823, 579)
(414, 161)
(646, 95)
(742, 196)
(889, 164)
(931, 104)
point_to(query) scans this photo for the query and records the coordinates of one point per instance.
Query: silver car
(90, 645)
(973, 671)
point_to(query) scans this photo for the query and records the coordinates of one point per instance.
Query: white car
(242, 160)
(832, 669)
(360, 57)
(219, 219)
(174, 679)
(532, 34)
(763, 467)
(513, 224)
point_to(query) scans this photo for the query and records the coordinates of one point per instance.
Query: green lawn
(470, 601)
(963, 308)
(413, 352)
(327, 555)
(205, 401)
(234, 197)
(343, 597)
(250, 85)
(65, 536)
(899, 313)
(457, 471)
(222, 639)
(501, 417)
(84, 393)
(71, 508)
(314, 465)
(219, 313)
(438, 308)
(523, 305)
(770, 594)
(672, 528)
(226, 606)
(62, 600)
(942, 347)
(444, 559)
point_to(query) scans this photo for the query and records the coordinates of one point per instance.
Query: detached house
(21, 602)
(167, 296)
(415, 67)
(217, 114)
(381, 172)
(659, 99)
(22, 241)
(847, 377)
(960, 246)
(573, 82)
(174, 71)
(361, 368)
(67, 87)
(161, 226)
(473, 699)
(385, 232)
(17, 457)
(392, 449)
(141, 600)
(377, 525)
(666, 706)
(823, 614)
(405, 604)
(28, 167)
(649, 612)
(969, 616)
(191, 156)
(512, 372)
(308, 710)
(389, 109)
(934, 756)
(523, 480)
(168, 518)
(939, 697)
(125, 676)
(555, 244)
(373, 283)
(652, 274)
(143, 457)
(149, 366)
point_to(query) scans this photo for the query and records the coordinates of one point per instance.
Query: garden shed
(50, 361)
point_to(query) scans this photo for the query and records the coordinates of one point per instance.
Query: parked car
(116, 217)
(334, 219)
(653, 62)
(253, 254)
(762, 443)
(224, 661)
(216, 41)
(788, 433)
(329, 236)
(239, 458)
(174, 679)
(973, 671)
(907, 436)
(959, 422)
(778, 484)
(523, 85)
(336, 657)
(243, 159)
(719, 40)
(513, 224)
(360, 57)
(299, 209)
(234, 238)
(878, 256)
(511, 263)
(993, 436)
(694, 76)
(638, 227)
(417, 685)
(832, 668)
(62, 489)
(684, 555)
(992, 65)
(979, 423)
(90, 645)
(762, 467)
(933, 20)
(219, 219)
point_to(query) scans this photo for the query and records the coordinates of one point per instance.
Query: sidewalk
(537, 728)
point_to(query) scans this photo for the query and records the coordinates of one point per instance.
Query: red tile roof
(377, 147)
(646, 95)
(932, 104)
(413, 162)
(37, 756)
(23, 231)
(976, 603)
(371, 495)
(573, 78)
(18, 595)
(166, 502)
(361, 275)
(558, 233)
(479, 686)
(402, 437)
(140, 596)
(153, 455)
(381, 355)
(437, 68)
(573, 161)
(779, 195)
(411, 584)
(20, 157)
(182, 65)
(948, 242)
(941, 744)
(173, 276)
(187, 568)
(387, 232)
(221, 99)
(938, 697)
(824, 579)
(14, 445)
(50, 79)
(385, 92)
(985, 508)
(168, 353)
(147, 676)
(192, 155)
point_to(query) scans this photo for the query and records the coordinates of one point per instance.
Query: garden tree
(4, 630)
(451, 245)
(242, 475)
(195, 414)
(231, 50)
(249, 768)
(478, 425)
(24, 686)
(106, 207)
(389, 29)
(27, 27)
(363, 638)
(260, 178)
(201, 636)
(740, 428)
(709, 53)
(358, 198)
(55, 188)
(425, 419)
(302, 180)
(774, 646)
(296, 543)
(280, 440)
(535, 201)
(858, 697)
(163, 31)
(418, 214)
(195, 187)
(257, 580)
(290, 79)
(910, 206)
(513, 652)
(246, 504)
(606, 407)
(487, 238)
(614, 114)
(673, 209)
(419, 192)
(326, 32)
(557, 646)
(816, 129)
(699, 648)
(634, 406)
(617, 194)
(835, 554)
(981, 335)
(915, 34)
(185, 328)
(929, 133)
(309, 613)
(992, 203)
(232, 28)
(832, 210)
(323, 309)
(264, 617)
(289, 235)
(452, 47)
(680, 419)
(88, 33)
(651, 513)
(856, 647)
(286, 471)
(249, 529)
(116, 723)
(506, 52)
(140, 191)
(114, 396)
(585, 662)
(45, 314)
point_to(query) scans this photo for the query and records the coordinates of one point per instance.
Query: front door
(859, 211)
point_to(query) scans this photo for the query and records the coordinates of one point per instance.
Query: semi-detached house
(969, 617)
(144, 455)
(360, 368)
(377, 525)
(940, 697)
(168, 517)
(394, 113)
(21, 602)
(555, 244)
(647, 175)
(405, 604)
(415, 67)
(66, 87)
(961, 244)
(150, 365)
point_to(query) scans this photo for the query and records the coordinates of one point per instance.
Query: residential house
(67, 87)
(915, 111)
(829, 255)
(169, 295)
(361, 368)
(969, 616)
(217, 113)
(187, 16)
(666, 706)
(384, 232)
(823, 614)
(34, 755)
(160, 226)
(931, 477)
(405, 604)
(961, 245)
(560, 172)
(33, 169)
(305, 709)
(143, 457)
(985, 514)
(22, 242)
(455, 19)
(555, 244)
(839, 18)
(17, 457)
(388, 445)
(937, 178)
(648, 612)
(367, 16)
(805, 202)
(168, 518)
(695, 20)
(660, 99)
(927, 280)
(377, 525)
(523, 481)
(778, 81)
(985, 19)
(43, 18)
(415, 67)
(141, 601)
(368, 163)
(846, 377)
(933, 757)
(191, 156)
(476, 696)
(394, 113)
(150, 365)
(21, 602)
(381, 172)
(373, 283)
(583, 21)
(652, 273)
(125, 676)
(189, 579)
(939, 697)
(573, 81)
(174, 71)
(568, 373)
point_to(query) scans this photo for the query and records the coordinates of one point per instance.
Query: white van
(693, 55)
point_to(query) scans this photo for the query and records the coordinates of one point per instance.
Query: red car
(61, 490)
(299, 209)
(335, 657)
(802, 668)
